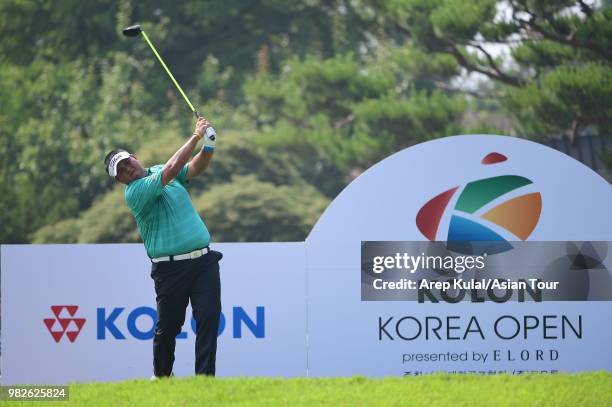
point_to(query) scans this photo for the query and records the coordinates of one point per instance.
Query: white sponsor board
(263, 301)
(295, 309)
(345, 335)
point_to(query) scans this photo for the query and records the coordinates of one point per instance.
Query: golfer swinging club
(177, 241)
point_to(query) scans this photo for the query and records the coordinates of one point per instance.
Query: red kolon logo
(64, 323)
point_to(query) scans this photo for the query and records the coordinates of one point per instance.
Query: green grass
(586, 389)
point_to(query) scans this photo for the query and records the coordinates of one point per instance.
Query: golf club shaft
(161, 61)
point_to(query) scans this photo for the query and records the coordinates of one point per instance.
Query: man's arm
(199, 163)
(202, 159)
(176, 163)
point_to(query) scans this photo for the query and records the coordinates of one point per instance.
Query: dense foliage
(305, 96)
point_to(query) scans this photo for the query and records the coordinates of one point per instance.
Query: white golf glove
(209, 140)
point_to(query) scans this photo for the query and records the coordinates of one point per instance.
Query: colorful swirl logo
(485, 210)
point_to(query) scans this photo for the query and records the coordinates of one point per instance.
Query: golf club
(134, 31)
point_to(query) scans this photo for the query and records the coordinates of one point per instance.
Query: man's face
(129, 170)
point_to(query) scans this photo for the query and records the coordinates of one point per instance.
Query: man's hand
(202, 159)
(209, 140)
(201, 125)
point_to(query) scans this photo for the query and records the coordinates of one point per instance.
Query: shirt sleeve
(182, 176)
(143, 191)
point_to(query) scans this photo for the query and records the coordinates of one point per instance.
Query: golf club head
(132, 31)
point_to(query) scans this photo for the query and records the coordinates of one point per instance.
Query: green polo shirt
(166, 219)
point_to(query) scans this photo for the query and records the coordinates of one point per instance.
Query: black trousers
(176, 283)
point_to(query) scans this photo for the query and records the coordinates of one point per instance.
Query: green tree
(107, 221)
(249, 210)
(57, 130)
(304, 95)
(556, 77)
(237, 160)
(345, 113)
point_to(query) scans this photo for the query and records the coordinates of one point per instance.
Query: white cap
(112, 164)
